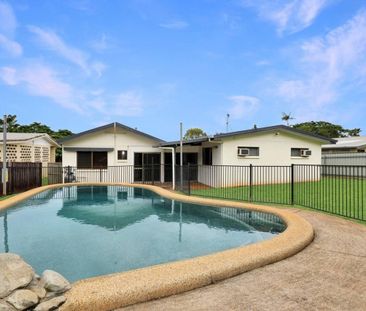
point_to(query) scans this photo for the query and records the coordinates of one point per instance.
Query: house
(97, 150)
(111, 145)
(352, 144)
(29, 147)
(346, 151)
(274, 146)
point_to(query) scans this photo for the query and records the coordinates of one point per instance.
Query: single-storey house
(346, 151)
(29, 147)
(351, 144)
(116, 145)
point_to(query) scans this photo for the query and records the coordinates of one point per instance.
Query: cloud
(288, 16)
(175, 24)
(53, 42)
(127, 103)
(101, 44)
(8, 22)
(328, 67)
(13, 48)
(242, 106)
(41, 80)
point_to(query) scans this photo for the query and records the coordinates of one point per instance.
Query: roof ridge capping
(117, 124)
(277, 127)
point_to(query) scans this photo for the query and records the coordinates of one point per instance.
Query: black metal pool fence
(336, 189)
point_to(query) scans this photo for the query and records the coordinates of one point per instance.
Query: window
(92, 159)
(207, 156)
(297, 152)
(122, 154)
(248, 151)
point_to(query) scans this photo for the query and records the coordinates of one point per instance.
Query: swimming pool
(86, 231)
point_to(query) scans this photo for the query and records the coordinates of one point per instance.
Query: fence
(22, 176)
(356, 158)
(336, 189)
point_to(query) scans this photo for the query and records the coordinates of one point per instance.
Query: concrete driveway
(330, 274)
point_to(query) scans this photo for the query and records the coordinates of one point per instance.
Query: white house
(29, 147)
(104, 150)
(353, 144)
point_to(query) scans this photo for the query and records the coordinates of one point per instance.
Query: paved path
(330, 274)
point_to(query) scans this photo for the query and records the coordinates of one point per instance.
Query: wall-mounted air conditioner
(305, 153)
(243, 152)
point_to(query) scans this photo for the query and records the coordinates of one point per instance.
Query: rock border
(131, 287)
(22, 289)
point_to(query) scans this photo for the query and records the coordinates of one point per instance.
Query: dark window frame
(97, 160)
(207, 156)
(123, 153)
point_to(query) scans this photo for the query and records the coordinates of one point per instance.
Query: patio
(330, 274)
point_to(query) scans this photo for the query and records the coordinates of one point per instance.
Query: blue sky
(153, 63)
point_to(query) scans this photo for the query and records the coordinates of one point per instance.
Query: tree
(12, 124)
(286, 117)
(35, 127)
(327, 129)
(193, 133)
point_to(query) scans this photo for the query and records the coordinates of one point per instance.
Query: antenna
(227, 122)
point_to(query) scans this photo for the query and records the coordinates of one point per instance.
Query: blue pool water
(85, 231)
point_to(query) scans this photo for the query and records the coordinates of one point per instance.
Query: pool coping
(121, 289)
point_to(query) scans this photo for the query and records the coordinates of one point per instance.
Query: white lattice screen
(25, 153)
(37, 154)
(45, 154)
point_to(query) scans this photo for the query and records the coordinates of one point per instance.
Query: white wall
(274, 149)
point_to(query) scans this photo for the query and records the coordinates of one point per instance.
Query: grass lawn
(337, 195)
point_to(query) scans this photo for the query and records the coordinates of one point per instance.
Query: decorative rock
(4, 306)
(38, 290)
(22, 299)
(51, 304)
(54, 282)
(14, 273)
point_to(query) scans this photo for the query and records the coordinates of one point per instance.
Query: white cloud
(101, 44)
(175, 24)
(127, 103)
(40, 80)
(53, 42)
(242, 106)
(11, 47)
(327, 66)
(288, 16)
(8, 22)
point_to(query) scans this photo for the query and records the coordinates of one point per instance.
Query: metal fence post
(292, 184)
(251, 182)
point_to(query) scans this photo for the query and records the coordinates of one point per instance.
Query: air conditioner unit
(305, 153)
(243, 152)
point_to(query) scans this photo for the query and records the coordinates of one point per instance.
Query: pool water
(86, 231)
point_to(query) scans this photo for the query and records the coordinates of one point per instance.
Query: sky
(151, 64)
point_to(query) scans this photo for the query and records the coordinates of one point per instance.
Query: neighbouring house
(352, 144)
(346, 151)
(114, 145)
(29, 147)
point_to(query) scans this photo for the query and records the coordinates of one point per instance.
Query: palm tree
(286, 117)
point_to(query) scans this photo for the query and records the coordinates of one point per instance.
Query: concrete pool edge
(126, 288)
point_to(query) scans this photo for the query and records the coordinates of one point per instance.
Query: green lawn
(342, 196)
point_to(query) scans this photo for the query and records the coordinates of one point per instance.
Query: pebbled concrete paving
(330, 274)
